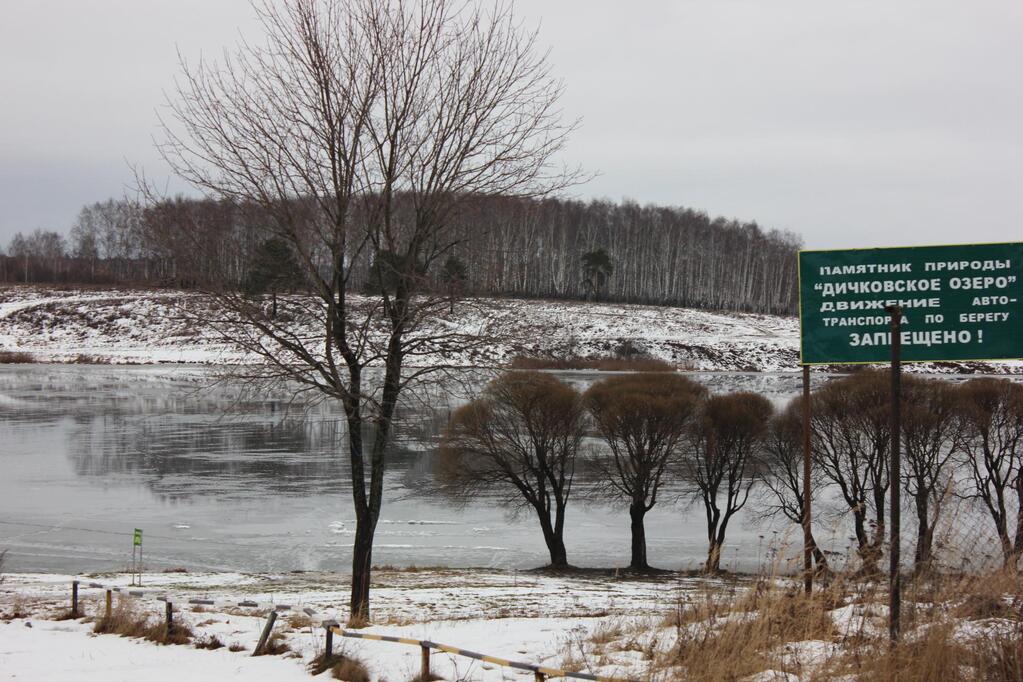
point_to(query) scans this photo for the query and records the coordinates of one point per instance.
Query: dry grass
(954, 628)
(211, 642)
(12, 357)
(275, 646)
(18, 610)
(299, 621)
(127, 620)
(606, 364)
(426, 678)
(350, 670)
(235, 647)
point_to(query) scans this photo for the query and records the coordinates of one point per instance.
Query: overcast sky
(851, 123)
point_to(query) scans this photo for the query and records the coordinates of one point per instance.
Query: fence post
(424, 658)
(328, 649)
(170, 617)
(270, 620)
(74, 599)
(110, 599)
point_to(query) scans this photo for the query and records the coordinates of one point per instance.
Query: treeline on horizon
(509, 246)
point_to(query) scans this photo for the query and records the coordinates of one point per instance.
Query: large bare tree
(361, 127)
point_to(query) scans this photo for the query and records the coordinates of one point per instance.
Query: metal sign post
(895, 478)
(807, 518)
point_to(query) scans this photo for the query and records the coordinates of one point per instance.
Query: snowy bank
(147, 326)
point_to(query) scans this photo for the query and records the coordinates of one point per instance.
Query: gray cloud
(854, 123)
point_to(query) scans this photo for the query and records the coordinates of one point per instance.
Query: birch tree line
(518, 247)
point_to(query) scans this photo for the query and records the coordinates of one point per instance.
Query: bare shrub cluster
(963, 448)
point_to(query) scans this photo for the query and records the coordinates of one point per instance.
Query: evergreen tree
(454, 275)
(597, 269)
(272, 268)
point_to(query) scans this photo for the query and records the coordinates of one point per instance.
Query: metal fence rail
(331, 628)
(540, 673)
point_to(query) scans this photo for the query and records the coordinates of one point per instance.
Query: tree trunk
(639, 562)
(819, 559)
(362, 557)
(713, 564)
(924, 536)
(1017, 548)
(554, 537)
(869, 555)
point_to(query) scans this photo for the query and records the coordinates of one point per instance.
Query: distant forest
(552, 248)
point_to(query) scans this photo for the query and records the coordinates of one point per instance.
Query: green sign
(137, 539)
(958, 303)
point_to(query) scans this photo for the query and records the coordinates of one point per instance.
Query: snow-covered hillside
(147, 326)
(141, 326)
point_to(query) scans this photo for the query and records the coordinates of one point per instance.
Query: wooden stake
(424, 660)
(267, 629)
(110, 599)
(74, 599)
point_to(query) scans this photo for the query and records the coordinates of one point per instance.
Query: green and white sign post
(136, 546)
(913, 304)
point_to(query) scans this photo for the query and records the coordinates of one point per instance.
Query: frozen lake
(220, 481)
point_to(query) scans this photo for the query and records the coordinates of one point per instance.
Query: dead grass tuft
(299, 621)
(275, 646)
(127, 621)
(211, 642)
(14, 357)
(350, 670)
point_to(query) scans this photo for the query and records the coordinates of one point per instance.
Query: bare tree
(521, 437)
(931, 432)
(782, 473)
(642, 417)
(347, 105)
(723, 460)
(992, 411)
(850, 426)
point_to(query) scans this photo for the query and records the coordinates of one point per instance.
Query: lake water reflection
(223, 481)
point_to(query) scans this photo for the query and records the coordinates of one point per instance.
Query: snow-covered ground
(141, 326)
(518, 616)
(147, 326)
(613, 626)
